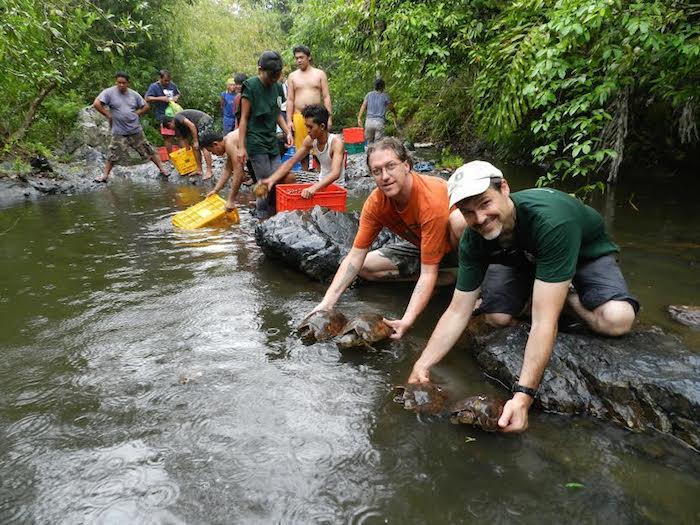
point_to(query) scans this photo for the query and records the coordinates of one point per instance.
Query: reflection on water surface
(149, 375)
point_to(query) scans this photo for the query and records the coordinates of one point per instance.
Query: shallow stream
(152, 376)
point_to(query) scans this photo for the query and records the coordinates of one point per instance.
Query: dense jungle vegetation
(574, 86)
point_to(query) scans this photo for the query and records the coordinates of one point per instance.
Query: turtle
(262, 205)
(322, 325)
(364, 331)
(481, 411)
(422, 398)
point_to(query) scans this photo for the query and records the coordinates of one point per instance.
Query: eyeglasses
(390, 168)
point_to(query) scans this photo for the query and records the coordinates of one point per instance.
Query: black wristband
(517, 387)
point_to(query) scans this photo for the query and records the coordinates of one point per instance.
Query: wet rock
(314, 241)
(40, 164)
(645, 379)
(687, 315)
(91, 129)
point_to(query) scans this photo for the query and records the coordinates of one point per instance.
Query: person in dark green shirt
(535, 242)
(260, 113)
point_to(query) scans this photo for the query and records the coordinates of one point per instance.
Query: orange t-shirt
(424, 222)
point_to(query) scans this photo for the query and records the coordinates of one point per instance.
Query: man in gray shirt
(123, 107)
(376, 103)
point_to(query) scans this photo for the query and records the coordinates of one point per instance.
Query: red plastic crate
(353, 135)
(289, 197)
(163, 152)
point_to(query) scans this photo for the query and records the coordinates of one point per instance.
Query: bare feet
(207, 176)
(101, 178)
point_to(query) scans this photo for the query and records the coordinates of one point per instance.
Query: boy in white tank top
(329, 148)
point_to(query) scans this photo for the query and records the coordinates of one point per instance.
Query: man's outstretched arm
(448, 330)
(420, 297)
(547, 302)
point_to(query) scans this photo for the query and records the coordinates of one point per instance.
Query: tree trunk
(31, 113)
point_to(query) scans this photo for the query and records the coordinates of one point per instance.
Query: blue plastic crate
(288, 155)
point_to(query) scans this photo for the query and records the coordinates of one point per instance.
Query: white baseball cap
(472, 178)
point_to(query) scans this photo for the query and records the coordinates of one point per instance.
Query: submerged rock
(687, 315)
(645, 379)
(313, 242)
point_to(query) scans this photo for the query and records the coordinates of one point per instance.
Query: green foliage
(49, 46)
(450, 160)
(235, 36)
(562, 79)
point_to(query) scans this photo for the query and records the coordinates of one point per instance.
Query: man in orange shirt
(416, 208)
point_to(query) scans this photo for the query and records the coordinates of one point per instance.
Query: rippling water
(152, 376)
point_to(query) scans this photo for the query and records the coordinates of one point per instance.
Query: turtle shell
(322, 325)
(364, 330)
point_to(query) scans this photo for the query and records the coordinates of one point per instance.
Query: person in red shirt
(415, 207)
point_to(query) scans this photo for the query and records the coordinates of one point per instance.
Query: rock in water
(480, 411)
(422, 398)
(312, 241)
(641, 380)
(322, 325)
(687, 315)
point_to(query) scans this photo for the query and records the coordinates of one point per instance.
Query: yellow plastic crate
(184, 160)
(210, 210)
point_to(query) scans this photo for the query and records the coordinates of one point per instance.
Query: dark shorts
(507, 289)
(406, 257)
(119, 146)
(262, 165)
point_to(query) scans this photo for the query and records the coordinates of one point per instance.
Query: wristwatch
(517, 387)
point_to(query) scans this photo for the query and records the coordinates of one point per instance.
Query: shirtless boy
(227, 145)
(306, 86)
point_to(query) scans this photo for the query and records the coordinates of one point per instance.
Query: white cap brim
(471, 179)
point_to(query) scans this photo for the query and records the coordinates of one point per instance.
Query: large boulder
(645, 379)
(92, 130)
(313, 242)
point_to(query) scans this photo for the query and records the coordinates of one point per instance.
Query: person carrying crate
(227, 145)
(190, 125)
(327, 147)
(415, 207)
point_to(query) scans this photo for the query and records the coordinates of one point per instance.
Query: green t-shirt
(553, 231)
(265, 104)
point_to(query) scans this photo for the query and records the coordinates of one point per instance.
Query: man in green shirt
(535, 242)
(261, 102)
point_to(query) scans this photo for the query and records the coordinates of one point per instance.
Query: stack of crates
(354, 139)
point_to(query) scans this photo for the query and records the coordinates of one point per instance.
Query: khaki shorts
(120, 144)
(406, 257)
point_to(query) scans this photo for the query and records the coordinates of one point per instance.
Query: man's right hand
(359, 123)
(320, 307)
(242, 156)
(419, 374)
(212, 192)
